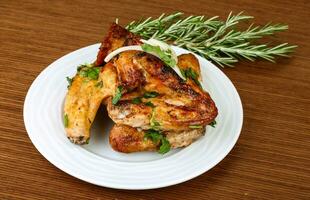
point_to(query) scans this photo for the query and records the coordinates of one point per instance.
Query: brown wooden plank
(270, 161)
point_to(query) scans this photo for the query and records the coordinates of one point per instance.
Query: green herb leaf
(118, 95)
(154, 124)
(70, 80)
(150, 104)
(154, 135)
(93, 73)
(157, 136)
(213, 123)
(89, 72)
(151, 94)
(66, 120)
(99, 84)
(165, 56)
(136, 100)
(191, 74)
(165, 146)
(195, 126)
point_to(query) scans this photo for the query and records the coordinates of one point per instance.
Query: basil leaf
(66, 120)
(152, 94)
(118, 95)
(195, 126)
(136, 100)
(165, 146)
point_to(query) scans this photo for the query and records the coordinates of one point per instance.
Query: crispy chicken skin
(179, 105)
(127, 139)
(116, 38)
(83, 100)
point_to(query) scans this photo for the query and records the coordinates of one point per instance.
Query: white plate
(96, 162)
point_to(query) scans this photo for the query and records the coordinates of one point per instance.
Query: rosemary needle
(214, 39)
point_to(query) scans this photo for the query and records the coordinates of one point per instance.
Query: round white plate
(96, 162)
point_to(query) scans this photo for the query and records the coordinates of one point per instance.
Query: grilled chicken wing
(179, 104)
(83, 100)
(127, 139)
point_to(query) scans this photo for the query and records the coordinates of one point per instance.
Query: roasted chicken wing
(83, 100)
(141, 93)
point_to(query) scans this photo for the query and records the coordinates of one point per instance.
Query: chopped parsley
(118, 95)
(165, 56)
(90, 72)
(154, 124)
(213, 123)
(156, 137)
(136, 100)
(70, 80)
(165, 146)
(99, 84)
(191, 74)
(146, 95)
(195, 126)
(151, 94)
(150, 104)
(86, 65)
(66, 120)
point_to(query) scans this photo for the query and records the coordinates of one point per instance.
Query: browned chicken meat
(150, 104)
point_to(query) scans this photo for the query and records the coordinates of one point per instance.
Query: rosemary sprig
(214, 39)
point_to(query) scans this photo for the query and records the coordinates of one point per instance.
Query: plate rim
(193, 175)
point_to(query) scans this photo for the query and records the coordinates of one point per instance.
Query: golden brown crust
(83, 100)
(127, 139)
(180, 103)
(117, 37)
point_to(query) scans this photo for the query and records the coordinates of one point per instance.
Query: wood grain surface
(272, 157)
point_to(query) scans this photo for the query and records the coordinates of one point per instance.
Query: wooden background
(271, 159)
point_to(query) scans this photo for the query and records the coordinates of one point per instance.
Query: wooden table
(271, 159)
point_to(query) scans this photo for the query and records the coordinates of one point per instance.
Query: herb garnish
(191, 74)
(66, 120)
(164, 55)
(89, 71)
(70, 80)
(157, 136)
(154, 124)
(217, 40)
(213, 123)
(165, 146)
(150, 104)
(151, 94)
(136, 100)
(118, 95)
(195, 126)
(99, 84)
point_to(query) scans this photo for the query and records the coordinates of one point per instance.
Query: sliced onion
(139, 48)
(120, 50)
